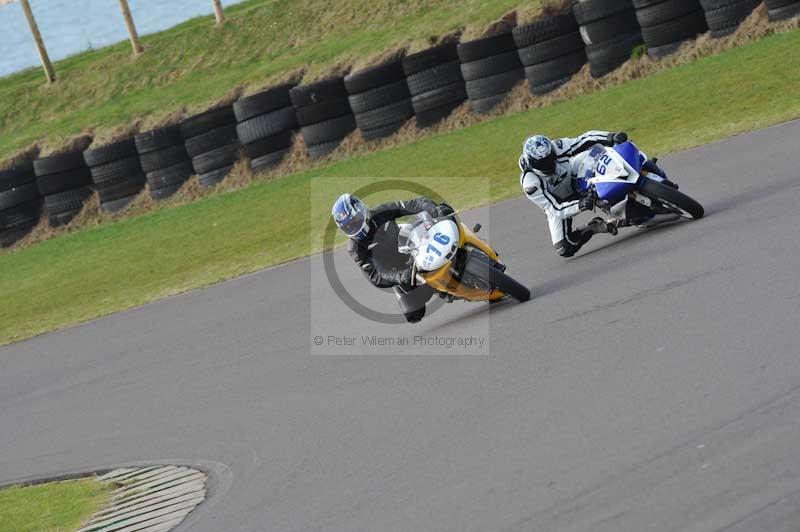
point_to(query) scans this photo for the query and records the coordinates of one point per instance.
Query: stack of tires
(64, 182)
(782, 9)
(116, 173)
(724, 16)
(164, 160)
(20, 203)
(379, 99)
(265, 125)
(491, 68)
(551, 50)
(666, 24)
(324, 115)
(610, 31)
(212, 143)
(435, 83)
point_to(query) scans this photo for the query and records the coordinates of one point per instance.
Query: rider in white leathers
(548, 172)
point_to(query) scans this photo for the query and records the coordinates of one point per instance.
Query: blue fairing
(613, 192)
(631, 154)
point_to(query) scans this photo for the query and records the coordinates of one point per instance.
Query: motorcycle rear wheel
(672, 199)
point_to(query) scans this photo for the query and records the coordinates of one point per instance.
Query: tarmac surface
(652, 383)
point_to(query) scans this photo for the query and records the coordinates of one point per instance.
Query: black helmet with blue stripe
(351, 216)
(538, 153)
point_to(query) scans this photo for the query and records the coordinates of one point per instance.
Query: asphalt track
(653, 383)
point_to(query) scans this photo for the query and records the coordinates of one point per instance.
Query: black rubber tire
(497, 279)
(494, 85)
(490, 66)
(163, 158)
(117, 171)
(204, 122)
(17, 175)
(431, 117)
(328, 131)
(216, 158)
(166, 181)
(433, 78)
(486, 47)
(268, 161)
(430, 58)
(57, 183)
(119, 204)
(317, 151)
(551, 49)
(320, 112)
(262, 102)
(395, 113)
(117, 191)
(19, 195)
(266, 125)
(9, 237)
(58, 163)
(321, 91)
(587, 11)
(666, 10)
(555, 69)
(158, 139)
(608, 56)
(380, 97)
(543, 88)
(777, 4)
(450, 94)
(110, 152)
(381, 132)
(784, 13)
(22, 215)
(609, 29)
(725, 16)
(268, 145)
(374, 77)
(215, 138)
(544, 29)
(62, 207)
(486, 105)
(658, 191)
(214, 177)
(677, 30)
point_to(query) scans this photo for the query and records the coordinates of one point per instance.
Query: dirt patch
(225, 101)
(433, 40)
(292, 78)
(105, 136)
(504, 24)
(59, 147)
(386, 57)
(159, 120)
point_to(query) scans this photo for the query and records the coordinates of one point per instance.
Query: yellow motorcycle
(453, 261)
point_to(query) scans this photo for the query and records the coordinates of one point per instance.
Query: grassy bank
(196, 63)
(56, 507)
(88, 274)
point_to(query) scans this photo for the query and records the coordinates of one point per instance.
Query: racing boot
(598, 225)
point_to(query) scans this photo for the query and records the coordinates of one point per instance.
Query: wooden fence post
(37, 37)
(218, 12)
(126, 14)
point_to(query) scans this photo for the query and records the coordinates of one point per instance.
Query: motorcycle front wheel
(672, 199)
(496, 278)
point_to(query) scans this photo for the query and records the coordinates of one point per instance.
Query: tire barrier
(380, 99)
(491, 68)
(211, 141)
(551, 50)
(782, 9)
(266, 123)
(435, 83)
(666, 24)
(64, 181)
(324, 115)
(610, 31)
(164, 160)
(116, 173)
(20, 203)
(724, 16)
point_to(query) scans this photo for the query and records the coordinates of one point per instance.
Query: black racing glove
(619, 137)
(404, 277)
(443, 209)
(586, 203)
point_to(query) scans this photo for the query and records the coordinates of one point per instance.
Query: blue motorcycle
(625, 191)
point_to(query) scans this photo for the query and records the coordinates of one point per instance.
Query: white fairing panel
(437, 246)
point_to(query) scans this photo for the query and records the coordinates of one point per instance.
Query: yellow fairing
(443, 281)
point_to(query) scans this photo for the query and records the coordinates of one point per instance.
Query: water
(72, 26)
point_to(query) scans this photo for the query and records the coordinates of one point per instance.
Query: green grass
(80, 276)
(196, 63)
(56, 507)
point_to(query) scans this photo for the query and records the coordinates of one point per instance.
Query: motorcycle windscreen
(631, 154)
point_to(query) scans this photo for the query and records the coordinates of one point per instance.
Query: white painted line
(133, 472)
(158, 521)
(160, 527)
(132, 513)
(155, 482)
(168, 511)
(126, 496)
(115, 473)
(158, 495)
(138, 480)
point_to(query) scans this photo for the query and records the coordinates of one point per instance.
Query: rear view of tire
(491, 68)
(212, 142)
(266, 123)
(782, 9)
(435, 83)
(380, 99)
(476, 265)
(20, 203)
(164, 160)
(725, 16)
(666, 24)
(63, 181)
(323, 136)
(678, 201)
(116, 173)
(610, 30)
